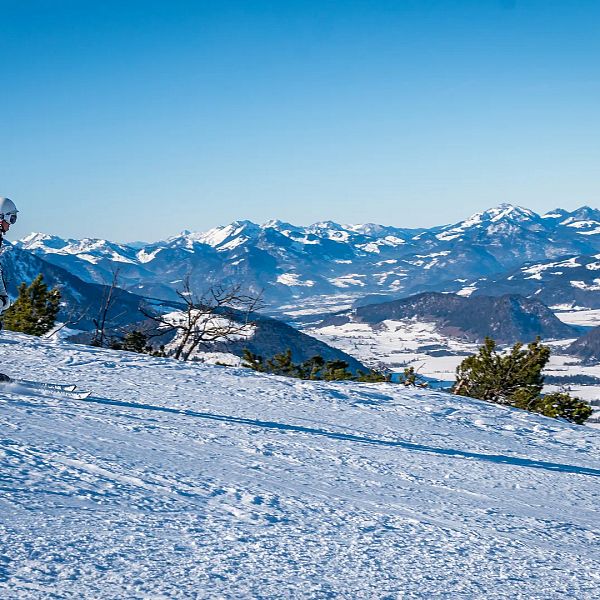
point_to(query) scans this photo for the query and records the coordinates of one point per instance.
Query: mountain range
(290, 264)
(82, 301)
(569, 281)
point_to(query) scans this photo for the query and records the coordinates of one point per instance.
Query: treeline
(315, 368)
(137, 341)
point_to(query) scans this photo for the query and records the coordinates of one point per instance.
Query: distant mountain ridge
(80, 300)
(290, 263)
(568, 281)
(587, 347)
(507, 319)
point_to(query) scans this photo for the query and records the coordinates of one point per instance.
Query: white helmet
(8, 210)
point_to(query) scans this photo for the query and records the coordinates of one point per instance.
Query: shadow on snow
(348, 437)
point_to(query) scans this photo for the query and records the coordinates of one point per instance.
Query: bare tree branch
(109, 295)
(218, 314)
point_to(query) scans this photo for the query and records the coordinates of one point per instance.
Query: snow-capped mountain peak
(278, 225)
(502, 216)
(222, 237)
(93, 247)
(557, 213)
(509, 211)
(43, 241)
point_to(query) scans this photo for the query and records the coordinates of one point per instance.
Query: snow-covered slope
(184, 481)
(396, 344)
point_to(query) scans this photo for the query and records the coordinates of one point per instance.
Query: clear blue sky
(134, 120)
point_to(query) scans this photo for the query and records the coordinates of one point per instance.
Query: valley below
(393, 345)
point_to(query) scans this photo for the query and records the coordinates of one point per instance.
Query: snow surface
(590, 318)
(191, 481)
(293, 279)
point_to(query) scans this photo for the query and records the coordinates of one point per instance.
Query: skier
(8, 217)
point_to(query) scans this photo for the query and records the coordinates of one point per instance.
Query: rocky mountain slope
(570, 281)
(587, 347)
(80, 300)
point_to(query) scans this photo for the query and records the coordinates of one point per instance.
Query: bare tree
(216, 315)
(109, 296)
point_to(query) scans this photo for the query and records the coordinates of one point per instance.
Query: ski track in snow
(194, 481)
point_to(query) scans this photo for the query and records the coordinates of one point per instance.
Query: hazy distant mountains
(484, 254)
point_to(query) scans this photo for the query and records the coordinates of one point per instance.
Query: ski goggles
(10, 217)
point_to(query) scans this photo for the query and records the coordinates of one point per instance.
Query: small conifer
(135, 341)
(281, 364)
(497, 377)
(515, 378)
(253, 361)
(34, 311)
(559, 405)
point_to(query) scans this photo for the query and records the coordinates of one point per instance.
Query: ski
(55, 387)
(76, 395)
(65, 390)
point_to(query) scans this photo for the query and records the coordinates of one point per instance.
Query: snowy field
(395, 344)
(585, 317)
(196, 481)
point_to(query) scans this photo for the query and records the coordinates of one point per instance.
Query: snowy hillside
(185, 481)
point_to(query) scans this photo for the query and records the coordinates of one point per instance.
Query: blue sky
(134, 120)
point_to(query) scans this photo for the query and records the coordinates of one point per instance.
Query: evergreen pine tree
(503, 378)
(135, 341)
(559, 405)
(35, 310)
(281, 364)
(311, 368)
(371, 377)
(253, 361)
(515, 378)
(336, 370)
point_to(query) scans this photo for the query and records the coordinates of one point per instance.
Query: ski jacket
(2, 285)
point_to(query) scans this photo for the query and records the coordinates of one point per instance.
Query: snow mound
(182, 481)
